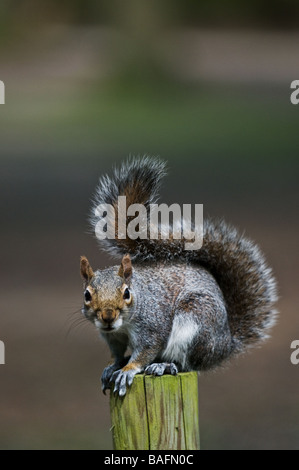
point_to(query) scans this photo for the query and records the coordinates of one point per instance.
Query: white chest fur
(184, 329)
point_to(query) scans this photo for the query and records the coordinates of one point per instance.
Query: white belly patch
(184, 329)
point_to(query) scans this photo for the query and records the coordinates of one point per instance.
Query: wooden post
(157, 413)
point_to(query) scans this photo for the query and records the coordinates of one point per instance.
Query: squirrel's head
(107, 294)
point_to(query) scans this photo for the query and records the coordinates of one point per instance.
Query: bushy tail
(246, 281)
(235, 262)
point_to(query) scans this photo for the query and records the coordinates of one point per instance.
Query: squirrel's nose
(108, 315)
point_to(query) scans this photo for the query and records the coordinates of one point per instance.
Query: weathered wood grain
(157, 413)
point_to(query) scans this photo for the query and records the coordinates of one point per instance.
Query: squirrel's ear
(126, 269)
(85, 269)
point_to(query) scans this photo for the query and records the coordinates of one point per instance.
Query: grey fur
(201, 307)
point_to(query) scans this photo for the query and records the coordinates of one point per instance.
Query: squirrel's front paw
(124, 377)
(106, 376)
(109, 370)
(161, 368)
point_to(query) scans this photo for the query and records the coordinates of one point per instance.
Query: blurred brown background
(205, 85)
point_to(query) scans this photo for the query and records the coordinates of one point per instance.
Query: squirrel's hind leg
(200, 337)
(161, 368)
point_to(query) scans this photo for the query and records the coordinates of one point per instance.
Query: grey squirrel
(177, 310)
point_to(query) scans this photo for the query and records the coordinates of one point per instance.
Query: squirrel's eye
(87, 296)
(127, 294)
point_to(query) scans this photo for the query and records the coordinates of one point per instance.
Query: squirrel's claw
(105, 387)
(106, 376)
(121, 379)
(161, 369)
(109, 372)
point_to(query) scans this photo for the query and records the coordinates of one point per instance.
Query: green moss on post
(157, 413)
(129, 418)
